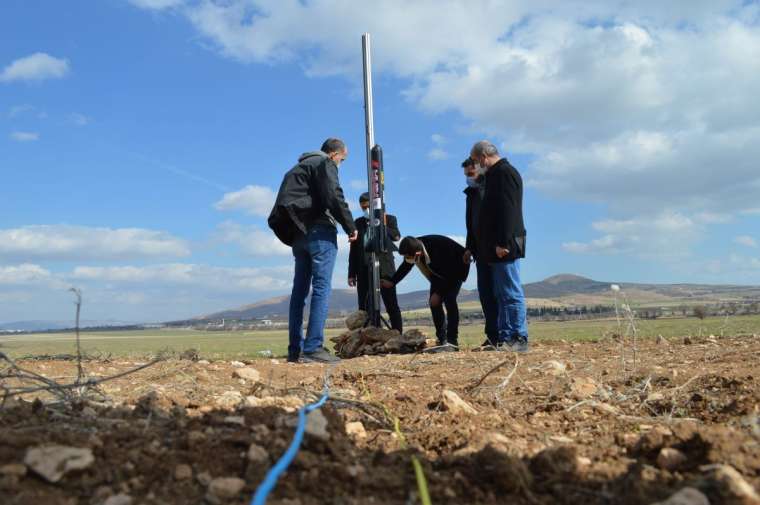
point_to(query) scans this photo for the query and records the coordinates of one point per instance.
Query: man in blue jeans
(501, 241)
(309, 205)
(488, 302)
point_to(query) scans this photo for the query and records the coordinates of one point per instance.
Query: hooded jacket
(310, 194)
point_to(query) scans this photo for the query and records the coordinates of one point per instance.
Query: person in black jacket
(439, 259)
(488, 302)
(358, 265)
(308, 206)
(501, 240)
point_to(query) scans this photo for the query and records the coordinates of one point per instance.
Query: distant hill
(563, 289)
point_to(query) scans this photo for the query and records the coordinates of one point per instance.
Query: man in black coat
(488, 302)
(358, 265)
(439, 259)
(309, 205)
(501, 241)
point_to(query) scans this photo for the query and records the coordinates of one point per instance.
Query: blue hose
(270, 481)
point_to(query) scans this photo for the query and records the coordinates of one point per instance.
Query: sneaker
(321, 355)
(520, 345)
(441, 348)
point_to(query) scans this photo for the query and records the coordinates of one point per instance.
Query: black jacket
(358, 259)
(310, 194)
(474, 199)
(501, 217)
(446, 262)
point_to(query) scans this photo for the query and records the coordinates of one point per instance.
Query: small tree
(700, 312)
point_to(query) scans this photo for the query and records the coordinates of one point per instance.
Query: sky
(142, 141)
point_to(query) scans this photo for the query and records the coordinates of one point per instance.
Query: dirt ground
(567, 423)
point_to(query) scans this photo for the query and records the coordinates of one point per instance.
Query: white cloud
(254, 200)
(25, 273)
(438, 139)
(222, 279)
(36, 67)
(668, 235)
(745, 240)
(18, 110)
(79, 119)
(358, 185)
(252, 240)
(67, 242)
(437, 154)
(156, 4)
(25, 136)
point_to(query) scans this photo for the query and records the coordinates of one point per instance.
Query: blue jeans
(315, 255)
(512, 322)
(488, 301)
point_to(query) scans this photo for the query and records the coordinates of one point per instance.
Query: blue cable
(270, 481)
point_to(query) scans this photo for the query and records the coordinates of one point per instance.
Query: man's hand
(467, 258)
(502, 252)
(353, 236)
(385, 283)
(352, 282)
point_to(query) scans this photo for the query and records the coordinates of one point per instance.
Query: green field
(247, 344)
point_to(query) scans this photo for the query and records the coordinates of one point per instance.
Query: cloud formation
(68, 242)
(25, 136)
(252, 199)
(36, 67)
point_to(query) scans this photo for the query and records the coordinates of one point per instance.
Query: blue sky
(141, 140)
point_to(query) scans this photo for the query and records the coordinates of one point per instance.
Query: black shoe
(321, 355)
(294, 359)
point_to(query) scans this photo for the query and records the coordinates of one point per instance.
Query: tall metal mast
(375, 241)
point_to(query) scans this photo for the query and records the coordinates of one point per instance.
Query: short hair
(333, 145)
(364, 197)
(468, 162)
(484, 148)
(410, 246)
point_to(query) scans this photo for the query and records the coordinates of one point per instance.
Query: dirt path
(562, 424)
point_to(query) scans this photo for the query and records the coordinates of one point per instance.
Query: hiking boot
(321, 355)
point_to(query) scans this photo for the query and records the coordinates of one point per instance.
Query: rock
(670, 459)
(203, 362)
(183, 472)
(52, 462)
(237, 364)
(582, 388)
(13, 470)
(686, 496)
(204, 478)
(119, 499)
(687, 341)
(453, 402)
(257, 454)
(225, 488)
(555, 368)
(190, 354)
(356, 320)
(356, 430)
(247, 373)
(661, 340)
(733, 484)
(316, 425)
(289, 403)
(229, 400)
(239, 420)
(655, 397)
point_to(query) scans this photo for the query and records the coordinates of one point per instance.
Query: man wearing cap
(359, 260)
(488, 302)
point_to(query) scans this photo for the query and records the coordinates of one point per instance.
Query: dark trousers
(390, 300)
(446, 323)
(488, 300)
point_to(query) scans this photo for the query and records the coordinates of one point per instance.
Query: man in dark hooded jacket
(309, 205)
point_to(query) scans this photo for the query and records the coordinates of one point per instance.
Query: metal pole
(373, 227)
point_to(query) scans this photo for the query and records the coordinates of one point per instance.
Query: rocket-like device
(376, 240)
